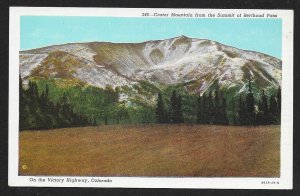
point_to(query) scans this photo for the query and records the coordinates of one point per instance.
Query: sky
(257, 34)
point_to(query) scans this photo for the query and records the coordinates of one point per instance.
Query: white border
(286, 179)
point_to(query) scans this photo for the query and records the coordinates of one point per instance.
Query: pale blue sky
(262, 35)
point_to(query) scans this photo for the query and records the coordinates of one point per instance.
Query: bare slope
(171, 61)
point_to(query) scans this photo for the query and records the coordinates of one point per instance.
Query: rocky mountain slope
(197, 63)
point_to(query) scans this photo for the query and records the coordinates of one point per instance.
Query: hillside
(196, 63)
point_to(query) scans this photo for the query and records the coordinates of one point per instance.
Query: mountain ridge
(171, 61)
(141, 42)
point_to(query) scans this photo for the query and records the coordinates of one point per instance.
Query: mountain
(198, 64)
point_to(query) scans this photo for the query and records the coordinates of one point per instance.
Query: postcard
(151, 98)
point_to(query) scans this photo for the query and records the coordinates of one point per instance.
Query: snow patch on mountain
(100, 77)
(30, 61)
(171, 61)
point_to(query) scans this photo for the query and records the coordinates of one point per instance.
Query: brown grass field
(152, 150)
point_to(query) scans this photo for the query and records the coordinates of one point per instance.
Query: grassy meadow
(152, 150)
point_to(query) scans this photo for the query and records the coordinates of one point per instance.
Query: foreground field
(152, 150)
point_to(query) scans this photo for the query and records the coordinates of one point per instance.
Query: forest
(45, 105)
(212, 108)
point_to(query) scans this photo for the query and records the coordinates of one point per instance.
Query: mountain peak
(182, 37)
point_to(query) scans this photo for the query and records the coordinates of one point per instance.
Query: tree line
(261, 113)
(38, 112)
(44, 105)
(210, 109)
(213, 108)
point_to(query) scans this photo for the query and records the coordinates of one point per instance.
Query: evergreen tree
(23, 109)
(241, 111)
(259, 115)
(273, 105)
(273, 110)
(44, 100)
(160, 110)
(176, 108)
(36, 120)
(233, 113)
(168, 120)
(199, 110)
(204, 117)
(32, 95)
(179, 115)
(217, 111)
(250, 106)
(65, 111)
(264, 108)
(190, 107)
(210, 108)
(278, 99)
(173, 107)
(21, 90)
(223, 113)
